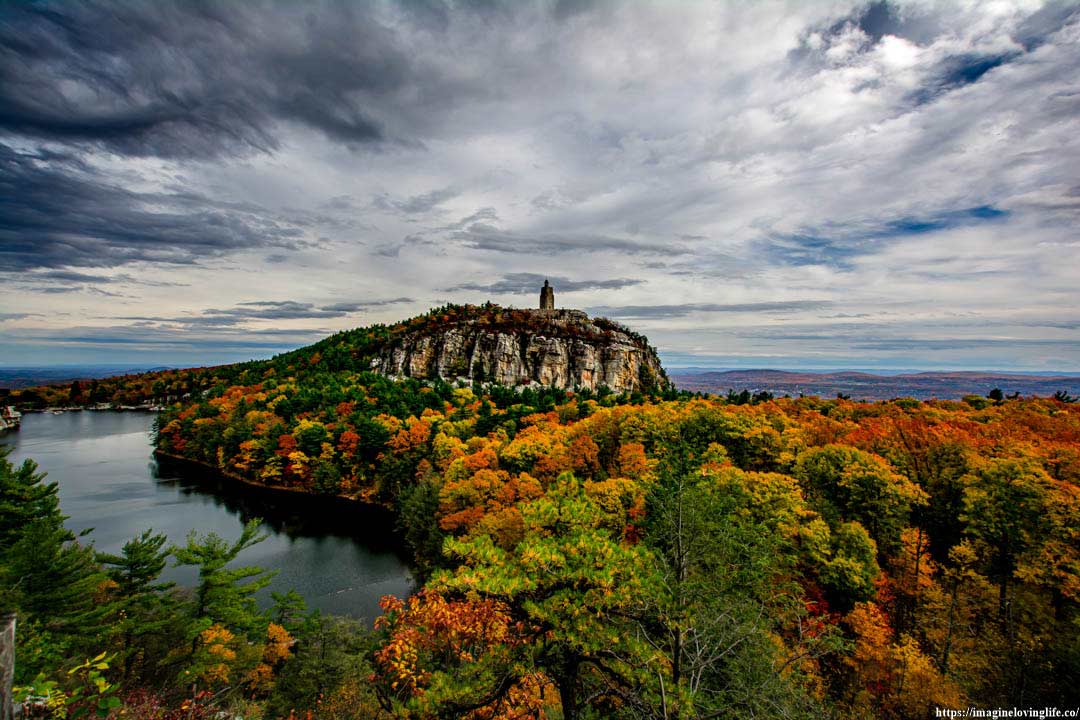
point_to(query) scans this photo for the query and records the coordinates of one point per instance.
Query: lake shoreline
(341, 555)
(280, 491)
(144, 407)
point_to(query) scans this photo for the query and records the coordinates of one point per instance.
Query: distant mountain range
(857, 385)
(12, 378)
(867, 386)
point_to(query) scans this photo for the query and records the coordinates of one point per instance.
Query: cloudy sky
(803, 184)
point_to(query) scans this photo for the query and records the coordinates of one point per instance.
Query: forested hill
(487, 343)
(512, 347)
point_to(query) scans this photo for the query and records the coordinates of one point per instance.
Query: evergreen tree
(291, 612)
(225, 624)
(222, 596)
(51, 580)
(331, 649)
(570, 586)
(139, 565)
(25, 498)
(56, 586)
(720, 602)
(146, 610)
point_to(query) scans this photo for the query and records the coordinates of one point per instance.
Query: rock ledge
(550, 348)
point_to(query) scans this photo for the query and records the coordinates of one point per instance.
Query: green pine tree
(146, 608)
(52, 581)
(225, 595)
(24, 498)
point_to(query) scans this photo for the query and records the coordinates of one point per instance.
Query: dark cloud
(340, 203)
(874, 20)
(350, 307)
(57, 290)
(482, 236)
(70, 276)
(1044, 22)
(881, 18)
(961, 343)
(672, 311)
(485, 214)
(243, 313)
(485, 236)
(417, 204)
(181, 78)
(142, 336)
(530, 284)
(274, 310)
(345, 307)
(57, 212)
(73, 281)
(564, 9)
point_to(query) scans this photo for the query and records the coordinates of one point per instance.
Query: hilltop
(488, 343)
(562, 349)
(549, 348)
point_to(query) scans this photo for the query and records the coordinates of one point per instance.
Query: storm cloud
(198, 79)
(243, 314)
(57, 211)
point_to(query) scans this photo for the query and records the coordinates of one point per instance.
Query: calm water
(339, 556)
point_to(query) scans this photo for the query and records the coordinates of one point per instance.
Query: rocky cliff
(561, 348)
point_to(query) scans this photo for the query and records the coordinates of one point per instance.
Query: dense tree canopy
(589, 555)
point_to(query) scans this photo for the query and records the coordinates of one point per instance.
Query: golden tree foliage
(941, 538)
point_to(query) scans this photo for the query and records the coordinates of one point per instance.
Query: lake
(340, 556)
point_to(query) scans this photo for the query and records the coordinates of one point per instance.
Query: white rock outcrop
(560, 348)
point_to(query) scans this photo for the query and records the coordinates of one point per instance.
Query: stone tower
(547, 297)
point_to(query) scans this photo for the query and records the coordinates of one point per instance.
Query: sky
(799, 185)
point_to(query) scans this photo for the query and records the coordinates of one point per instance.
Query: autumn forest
(583, 555)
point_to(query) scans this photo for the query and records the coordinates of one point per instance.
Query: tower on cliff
(547, 297)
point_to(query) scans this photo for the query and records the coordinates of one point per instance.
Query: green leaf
(107, 703)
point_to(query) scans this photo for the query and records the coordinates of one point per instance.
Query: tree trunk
(1003, 598)
(7, 664)
(567, 684)
(949, 632)
(918, 567)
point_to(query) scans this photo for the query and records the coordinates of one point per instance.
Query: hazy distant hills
(12, 378)
(857, 385)
(865, 386)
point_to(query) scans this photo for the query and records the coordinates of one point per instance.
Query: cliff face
(561, 348)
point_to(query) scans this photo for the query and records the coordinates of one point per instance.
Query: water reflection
(293, 515)
(341, 556)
